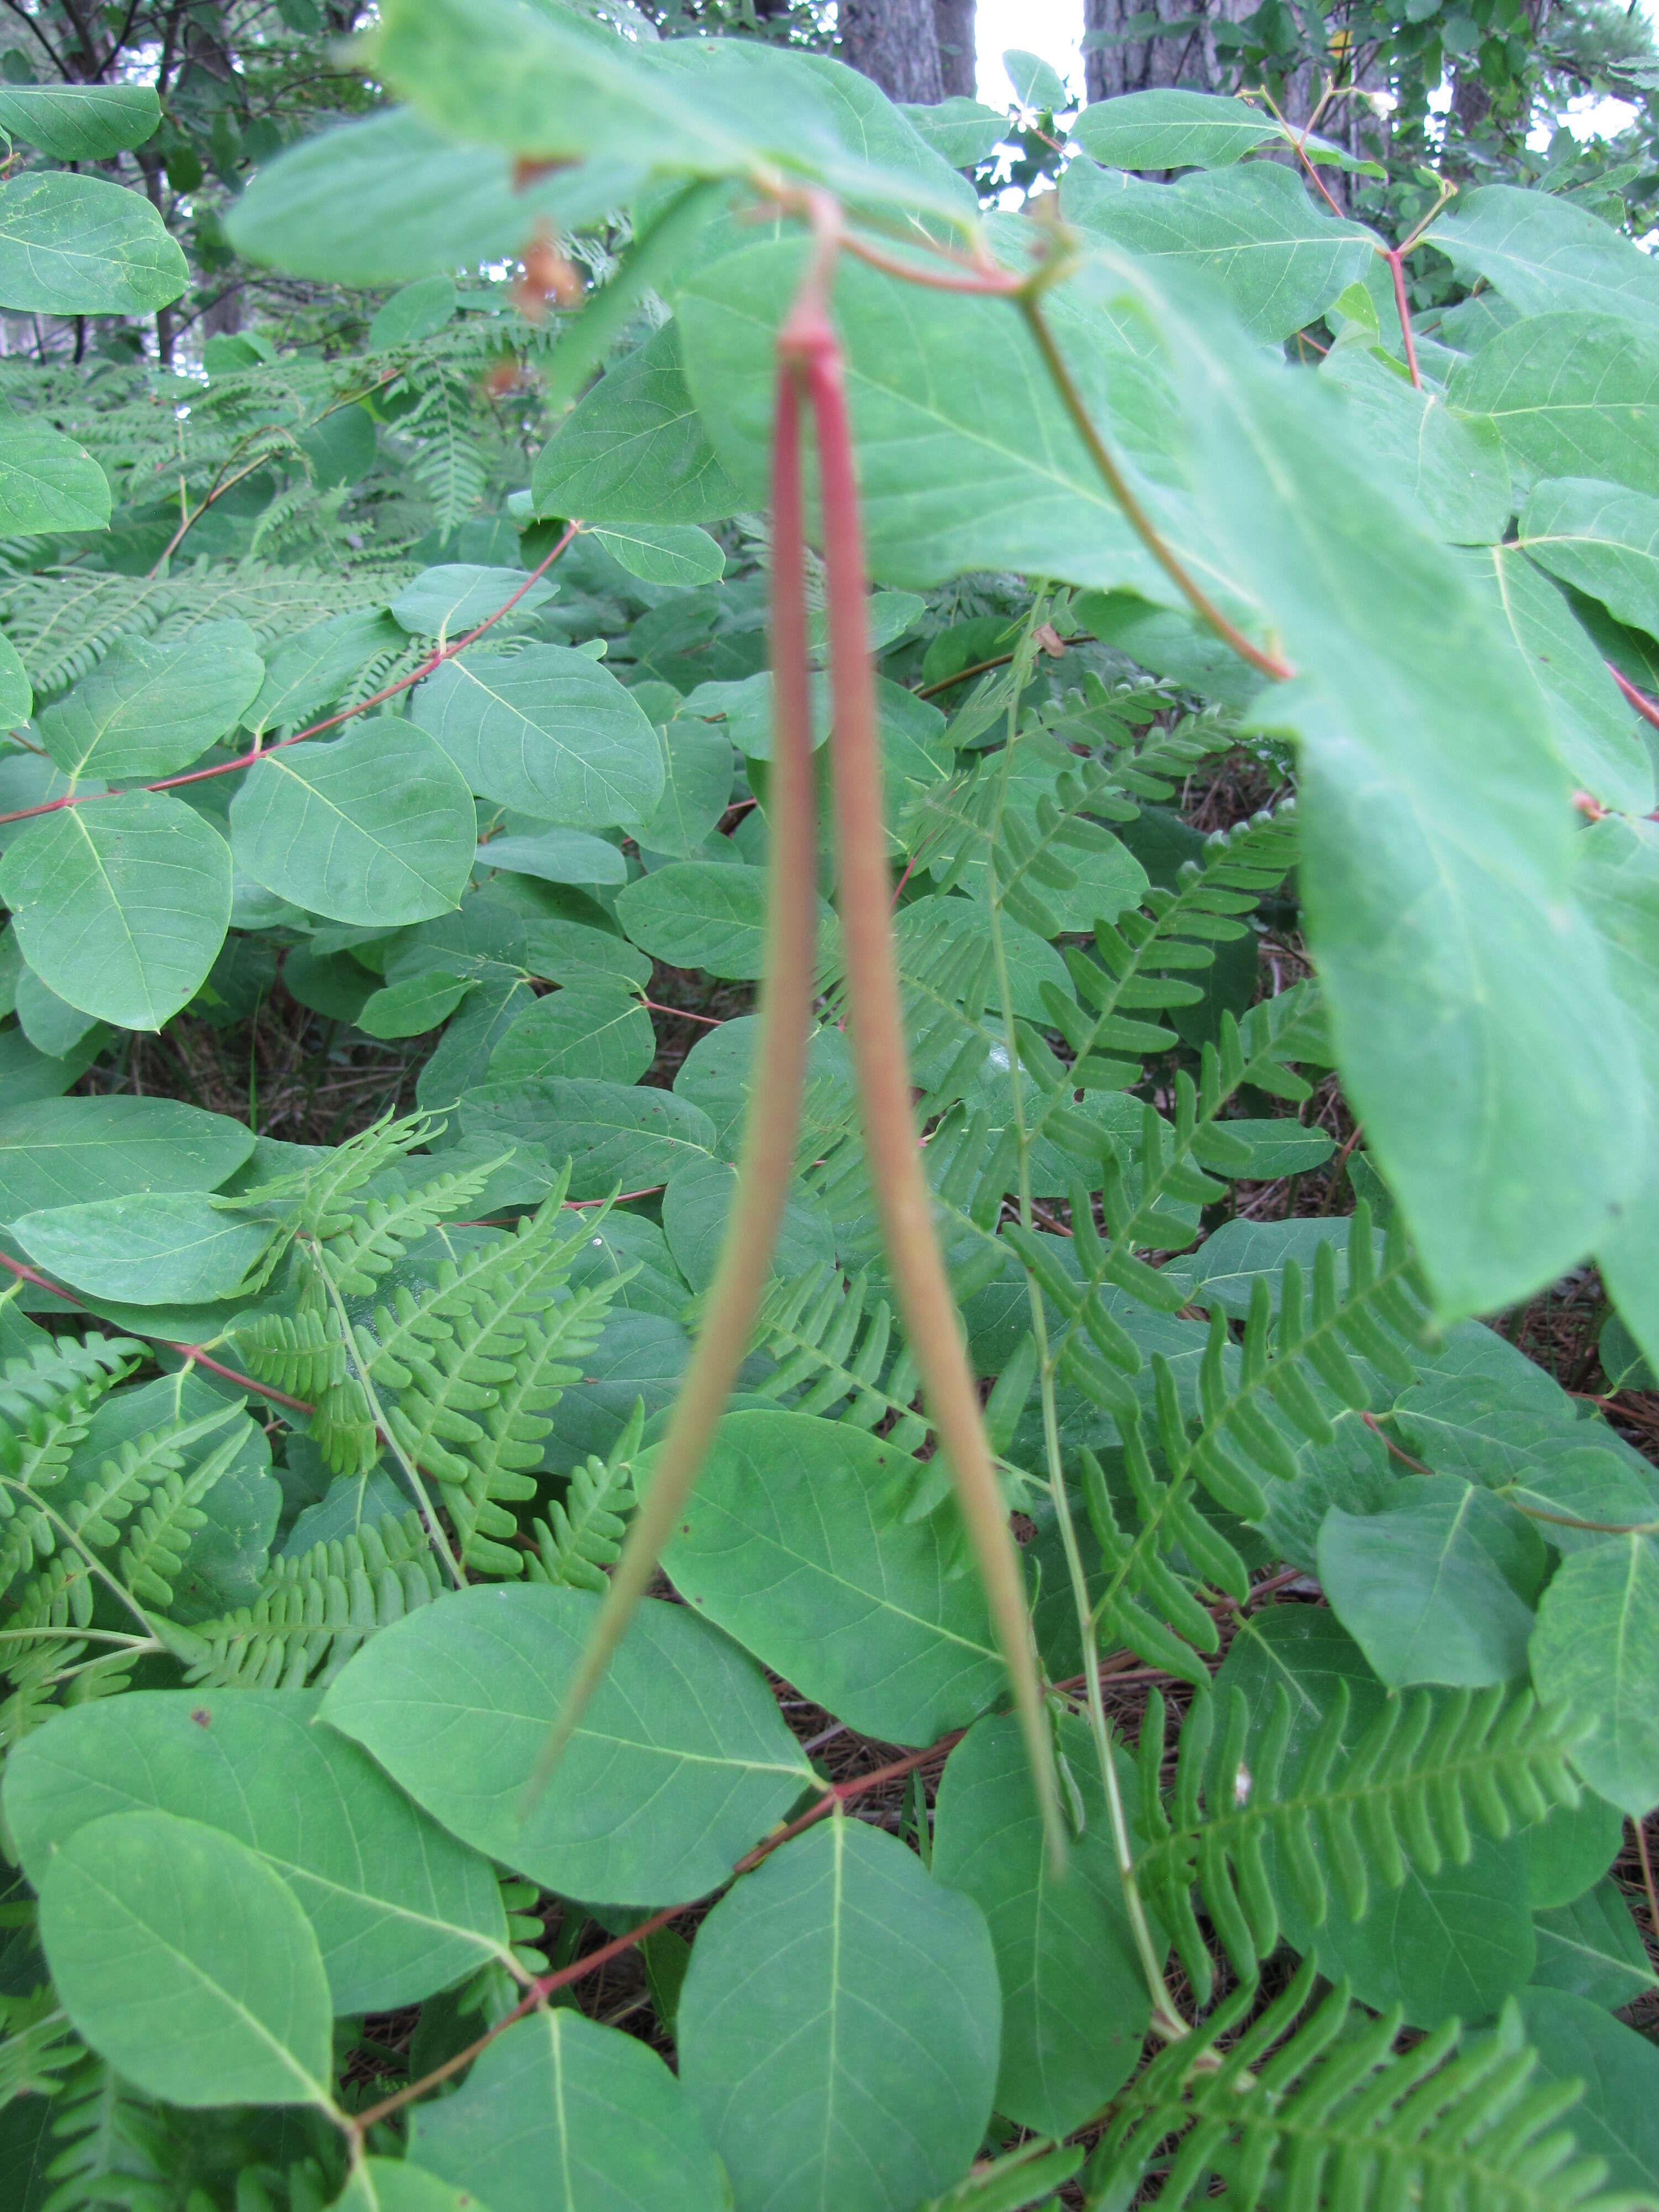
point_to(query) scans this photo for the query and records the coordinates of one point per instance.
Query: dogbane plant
(344, 1739)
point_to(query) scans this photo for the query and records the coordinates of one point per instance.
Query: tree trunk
(953, 26)
(894, 42)
(1189, 58)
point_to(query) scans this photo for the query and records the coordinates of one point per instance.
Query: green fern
(582, 1535)
(315, 1611)
(1430, 1768)
(1324, 2110)
(38, 2045)
(47, 1399)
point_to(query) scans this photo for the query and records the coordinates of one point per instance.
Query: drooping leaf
(795, 1542)
(377, 827)
(1594, 1651)
(46, 481)
(1171, 128)
(635, 450)
(1602, 540)
(80, 121)
(156, 1248)
(187, 1963)
(561, 2114)
(76, 1150)
(680, 1764)
(1593, 1948)
(78, 245)
(120, 906)
(835, 1988)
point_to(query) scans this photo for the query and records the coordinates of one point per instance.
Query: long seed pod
(767, 1158)
(879, 1058)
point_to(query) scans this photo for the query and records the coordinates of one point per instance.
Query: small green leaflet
(78, 245)
(834, 1979)
(697, 1205)
(681, 1762)
(446, 602)
(795, 1541)
(376, 827)
(1171, 128)
(635, 450)
(187, 1963)
(394, 2184)
(418, 309)
(591, 1028)
(558, 856)
(614, 1133)
(665, 553)
(565, 2115)
(120, 906)
(702, 914)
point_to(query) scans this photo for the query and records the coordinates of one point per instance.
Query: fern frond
(582, 1535)
(116, 2148)
(152, 1557)
(315, 1611)
(842, 1359)
(38, 2046)
(1335, 2116)
(379, 1234)
(46, 1399)
(302, 1354)
(1430, 1767)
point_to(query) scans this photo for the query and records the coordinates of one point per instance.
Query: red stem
(1396, 258)
(433, 660)
(1644, 705)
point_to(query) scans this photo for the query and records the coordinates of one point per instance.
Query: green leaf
(1074, 2000)
(16, 695)
(393, 2184)
(547, 730)
(795, 1542)
(1621, 889)
(836, 1984)
(376, 828)
(147, 709)
(80, 121)
(665, 553)
(1617, 2118)
(388, 199)
(635, 448)
(614, 1135)
(558, 856)
(413, 1006)
(1571, 395)
(76, 1150)
(159, 1248)
(47, 481)
(589, 1030)
(1596, 1652)
(1604, 541)
(120, 906)
(1452, 465)
(961, 129)
(187, 1963)
(1545, 254)
(715, 1075)
(1037, 84)
(697, 1205)
(681, 1762)
(413, 312)
(399, 1907)
(309, 671)
(561, 2115)
(449, 601)
(1593, 1948)
(703, 913)
(1169, 129)
(1595, 732)
(1254, 231)
(1570, 1850)
(76, 245)
(1439, 1587)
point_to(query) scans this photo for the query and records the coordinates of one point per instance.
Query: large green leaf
(1571, 395)
(376, 828)
(594, 1030)
(47, 481)
(635, 448)
(1621, 890)
(80, 121)
(1593, 1948)
(1437, 848)
(702, 914)
(547, 730)
(614, 1135)
(399, 1907)
(681, 1762)
(1596, 731)
(561, 2114)
(158, 1247)
(697, 1205)
(120, 906)
(309, 671)
(795, 1541)
(1617, 2117)
(147, 709)
(1454, 467)
(1545, 254)
(1439, 1587)
(187, 1963)
(1171, 128)
(394, 2184)
(1254, 232)
(75, 1150)
(1596, 1652)
(388, 199)
(78, 245)
(838, 2027)
(1074, 2000)
(448, 601)
(1601, 540)
(697, 788)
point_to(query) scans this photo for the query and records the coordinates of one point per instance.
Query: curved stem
(878, 1052)
(1133, 512)
(773, 1112)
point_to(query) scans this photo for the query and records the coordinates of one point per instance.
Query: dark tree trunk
(895, 43)
(953, 25)
(1189, 58)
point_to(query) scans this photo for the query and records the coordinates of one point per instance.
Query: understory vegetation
(829, 1146)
